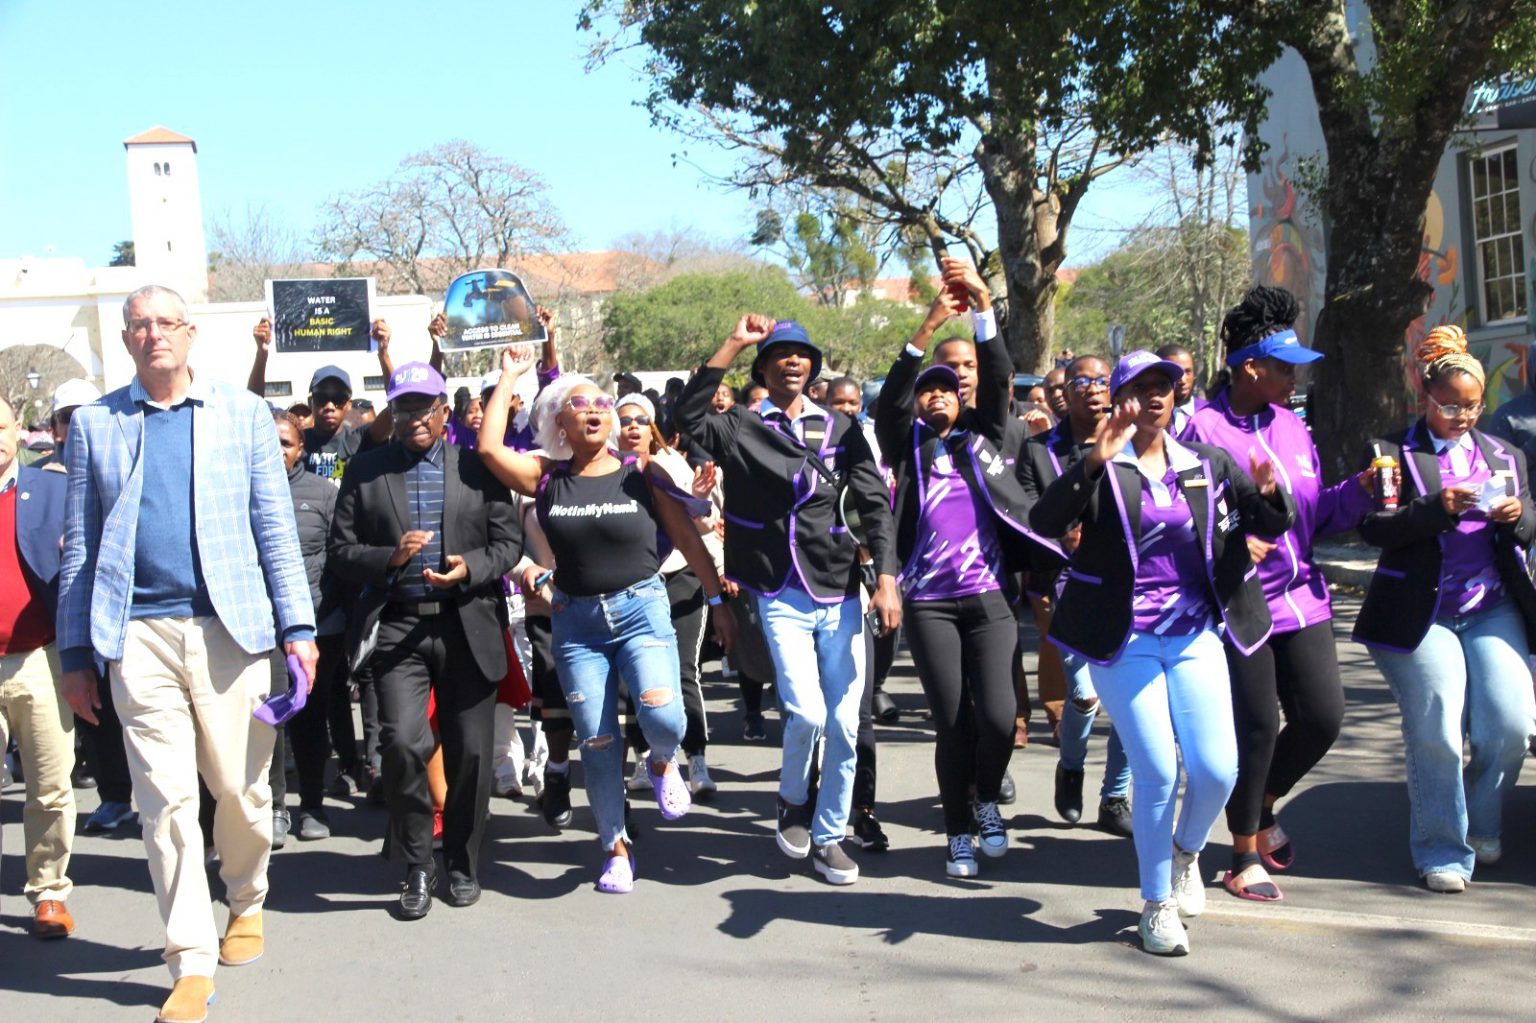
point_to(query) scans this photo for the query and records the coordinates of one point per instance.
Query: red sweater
(26, 622)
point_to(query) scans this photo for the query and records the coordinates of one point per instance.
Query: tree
(248, 250)
(909, 104)
(832, 253)
(1389, 100)
(445, 211)
(52, 365)
(122, 253)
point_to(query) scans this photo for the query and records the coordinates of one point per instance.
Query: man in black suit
(430, 534)
(787, 542)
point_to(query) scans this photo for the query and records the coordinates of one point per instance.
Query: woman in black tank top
(611, 618)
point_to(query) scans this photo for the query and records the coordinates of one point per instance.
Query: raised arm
(994, 369)
(257, 382)
(692, 417)
(383, 419)
(437, 329)
(893, 409)
(514, 469)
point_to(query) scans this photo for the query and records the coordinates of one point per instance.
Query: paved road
(721, 927)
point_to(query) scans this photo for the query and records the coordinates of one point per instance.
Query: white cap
(73, 393)
(637, 399)
(490, 380)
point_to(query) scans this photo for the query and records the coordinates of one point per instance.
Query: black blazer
(775, 500)
(1093, 617)
(1044, 458)
(1404, 596)
(980, 453)
(479, 524)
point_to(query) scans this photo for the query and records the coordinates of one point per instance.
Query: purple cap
(939, 374)
(416, 378)
(1285, 346)
(1134, 364)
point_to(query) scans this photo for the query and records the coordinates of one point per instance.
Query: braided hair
(1263, 311)
(1443, 353)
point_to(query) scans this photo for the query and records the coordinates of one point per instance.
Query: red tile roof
(158, 134)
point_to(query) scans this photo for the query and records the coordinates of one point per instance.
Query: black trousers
(415, 655)
(308, 731)
(1297, 673)
(864, 758)
(689, 618)
(963, 650)
(104, 750)
(549, 708)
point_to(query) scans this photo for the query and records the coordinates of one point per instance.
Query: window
(157, 169)
(1497, 232)
(278, 389)
(167, 168)
(373, 383)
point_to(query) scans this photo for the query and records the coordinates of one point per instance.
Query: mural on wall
(1288, 251)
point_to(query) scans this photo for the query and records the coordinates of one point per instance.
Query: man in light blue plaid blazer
(181, 570)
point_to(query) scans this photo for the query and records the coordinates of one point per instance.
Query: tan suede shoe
(189, 1001)
(242, 942)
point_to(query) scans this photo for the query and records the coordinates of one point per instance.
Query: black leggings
(1294, 672)
(963, 650)
(690, 619)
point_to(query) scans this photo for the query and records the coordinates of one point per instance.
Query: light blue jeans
(1077, 725)
(1468, 679)
(1170, 696)
(818, 655)
(597, 642)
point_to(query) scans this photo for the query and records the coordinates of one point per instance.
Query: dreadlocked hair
(1443, 353)
(1263, 311)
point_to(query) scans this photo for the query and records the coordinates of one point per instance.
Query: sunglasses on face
(634, 420)
(337, 398)
(582, 402)
(412, 415)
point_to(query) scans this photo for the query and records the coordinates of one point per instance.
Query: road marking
(1321, 919)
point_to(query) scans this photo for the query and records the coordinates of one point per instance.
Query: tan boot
(189, 1001)
(242, 942)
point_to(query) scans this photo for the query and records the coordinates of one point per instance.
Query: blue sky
(292, 102)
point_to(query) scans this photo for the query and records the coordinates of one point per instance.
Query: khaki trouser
(185, 691)
(44, 728)
(1051, 676)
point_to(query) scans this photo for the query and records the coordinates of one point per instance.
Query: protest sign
(321, 315)
(488, 309)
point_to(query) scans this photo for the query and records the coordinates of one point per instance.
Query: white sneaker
(640, 781)
(962, 859)
(989, 826)
(699, 781)
(1160, 930)
(1446, 882)
(507, 785)
(1188, 887)
(1488, 850)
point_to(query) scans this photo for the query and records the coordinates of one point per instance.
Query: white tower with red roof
(167, 209)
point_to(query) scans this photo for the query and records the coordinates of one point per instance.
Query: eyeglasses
(582, 402)
(141, 327)
(414, 415)
(1471, 411)
(634, 420)
(1089, 383)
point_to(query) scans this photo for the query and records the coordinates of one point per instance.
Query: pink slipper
(1252, 884)
(618, 876)
(1275, 848)
(671, 793)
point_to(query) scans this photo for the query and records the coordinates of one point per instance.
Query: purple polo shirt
(958, 551)
(1294, 588)
(1170, 597)
(1469, 573)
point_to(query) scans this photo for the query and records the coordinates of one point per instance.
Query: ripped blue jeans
(598, 642)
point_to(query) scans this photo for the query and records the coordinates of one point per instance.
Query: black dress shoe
(1115, 816)
(1069, 794)
(416, 892)
(462, 890)
(1007, 793)
(555, 801)
(884, 708)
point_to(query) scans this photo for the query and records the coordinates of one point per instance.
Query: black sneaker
(867, 834)
(835, 865)
(555, 800)
(794, 831)
(753, 729)
(1115, 816)
(1007, 793)
(1069, 794)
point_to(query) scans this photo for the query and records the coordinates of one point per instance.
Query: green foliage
(122, 254)
(679, 324)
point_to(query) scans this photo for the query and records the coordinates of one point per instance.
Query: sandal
(618, 876)
(671, 793)
(1252, 883)
(1275, 848)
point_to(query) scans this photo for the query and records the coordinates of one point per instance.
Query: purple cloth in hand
(276, 709)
